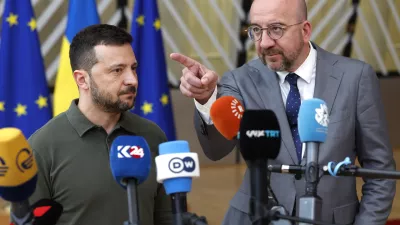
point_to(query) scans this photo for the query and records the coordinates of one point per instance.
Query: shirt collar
(81, 124)
(305, 71)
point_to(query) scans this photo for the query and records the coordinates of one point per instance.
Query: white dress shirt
(306, 85)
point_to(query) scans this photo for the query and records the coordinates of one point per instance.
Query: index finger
(183, 59)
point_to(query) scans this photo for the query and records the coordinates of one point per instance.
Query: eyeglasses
(274, 31)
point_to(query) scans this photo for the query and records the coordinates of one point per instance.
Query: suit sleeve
(374, 151)
(214, 145)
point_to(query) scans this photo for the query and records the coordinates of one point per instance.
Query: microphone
(226, 113)
(18, 173)
(313, 128)
(260, 140)
(176, 166)
(130, 166)
(46, 212)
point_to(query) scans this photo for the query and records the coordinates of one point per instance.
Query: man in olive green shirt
(72, 150)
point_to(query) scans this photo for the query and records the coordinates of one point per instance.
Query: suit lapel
(327, 79)
(267, 85)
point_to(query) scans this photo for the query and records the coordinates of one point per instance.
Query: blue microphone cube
(313, 120)
(176, 165)
(130, 157)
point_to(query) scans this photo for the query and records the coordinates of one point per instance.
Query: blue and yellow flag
(153, 100)
(81, 13)
(24, 94)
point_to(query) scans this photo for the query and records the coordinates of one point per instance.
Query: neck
(302, 57)
(97, 116)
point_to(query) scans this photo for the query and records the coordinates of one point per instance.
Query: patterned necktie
(292, 110)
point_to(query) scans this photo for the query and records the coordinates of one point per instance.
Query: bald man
(291, 68)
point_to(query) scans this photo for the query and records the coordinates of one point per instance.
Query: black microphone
(46, 212)
(259, 140)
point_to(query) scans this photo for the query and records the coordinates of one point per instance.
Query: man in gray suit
(290, 67)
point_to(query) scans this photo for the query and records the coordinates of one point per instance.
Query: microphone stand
(179, 201)
(192, 219)
(310, 204)
(132, 202)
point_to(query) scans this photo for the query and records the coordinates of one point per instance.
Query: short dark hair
(81, 52)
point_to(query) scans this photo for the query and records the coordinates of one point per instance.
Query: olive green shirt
(72, 155)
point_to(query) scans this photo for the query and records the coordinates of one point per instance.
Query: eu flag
(153, 100)
(24, 95)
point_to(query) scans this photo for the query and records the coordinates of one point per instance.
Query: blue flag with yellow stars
(24, 95)
(153, 100)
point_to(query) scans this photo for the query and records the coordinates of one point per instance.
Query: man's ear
(307, 31)
(82, 79)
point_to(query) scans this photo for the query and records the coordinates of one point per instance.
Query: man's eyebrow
(116, 65)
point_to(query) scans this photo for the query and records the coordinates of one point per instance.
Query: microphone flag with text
(18, 173)
(176, 167)
(313, 128)
(259, 140)
(226, 113)
(130, 164)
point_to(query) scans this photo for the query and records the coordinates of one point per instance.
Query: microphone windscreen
(46, 212)
(18, 169)
(259, 135)
(130, 158)
(313, 120)
(226, 113)
(176, 165)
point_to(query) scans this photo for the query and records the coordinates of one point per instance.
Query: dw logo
(177, 165)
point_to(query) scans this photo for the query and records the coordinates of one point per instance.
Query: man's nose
(131, 79)
(266, 41)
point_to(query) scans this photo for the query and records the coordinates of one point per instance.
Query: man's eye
(118, 70)
(256, 29)
(276, 29)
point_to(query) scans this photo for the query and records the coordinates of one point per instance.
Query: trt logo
(177, 165)
(262, 133)
(128, 151)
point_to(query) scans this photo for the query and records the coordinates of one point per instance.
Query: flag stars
(12, 19)
(147, 108)
(164, 100)
(20, 110)
(2, 108)
(157, 24)
(32, 24)
(41, 102)
(140, 20)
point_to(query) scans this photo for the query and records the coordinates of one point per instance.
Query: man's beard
(104, 99)
(287, 59)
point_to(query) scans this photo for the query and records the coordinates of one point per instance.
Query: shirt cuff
(204, 110)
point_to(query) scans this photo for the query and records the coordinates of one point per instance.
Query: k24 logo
(128, 151)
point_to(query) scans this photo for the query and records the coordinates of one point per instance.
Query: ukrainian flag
(24, 94)
(153, 99)
(81, 13)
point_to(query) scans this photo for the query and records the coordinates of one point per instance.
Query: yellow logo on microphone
(16, 157)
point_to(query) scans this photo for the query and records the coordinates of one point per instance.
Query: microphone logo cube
(321, 115)
(177, 165)
(128, 151)
(237, 108)
(3, 167)
(24, 160)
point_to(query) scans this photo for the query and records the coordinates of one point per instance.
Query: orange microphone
(226, 113)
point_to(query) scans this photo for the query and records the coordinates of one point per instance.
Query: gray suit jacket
(357, 128)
